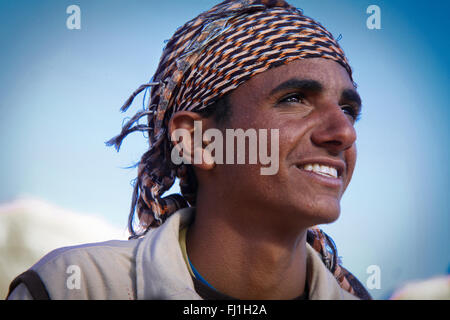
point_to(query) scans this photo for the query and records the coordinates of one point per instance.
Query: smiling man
(251, 228)
(233, 233)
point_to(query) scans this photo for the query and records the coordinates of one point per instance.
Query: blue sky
(61, 91)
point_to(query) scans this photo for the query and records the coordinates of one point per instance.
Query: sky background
(61, 90)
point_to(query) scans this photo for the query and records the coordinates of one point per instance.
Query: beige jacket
(151, 267)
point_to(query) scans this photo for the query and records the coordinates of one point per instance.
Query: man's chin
(321, 213)
(327, 218)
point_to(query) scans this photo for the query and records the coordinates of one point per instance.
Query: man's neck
(244, 262)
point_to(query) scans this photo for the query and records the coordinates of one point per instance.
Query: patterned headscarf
(206, 58)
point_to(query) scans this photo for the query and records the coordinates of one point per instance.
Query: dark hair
(220, 110)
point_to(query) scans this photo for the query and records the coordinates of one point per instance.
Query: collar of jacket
(161, 272)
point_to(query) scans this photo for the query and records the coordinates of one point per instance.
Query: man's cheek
(350, 159)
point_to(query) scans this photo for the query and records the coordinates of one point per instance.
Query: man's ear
(186, 133)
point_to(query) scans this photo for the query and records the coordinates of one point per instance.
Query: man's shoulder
(98, 252)
(102, 270)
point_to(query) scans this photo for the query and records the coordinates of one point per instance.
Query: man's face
(313, 103)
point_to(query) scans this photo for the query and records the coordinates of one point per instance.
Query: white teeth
(321, 169)
(334, 172)
(325, 169)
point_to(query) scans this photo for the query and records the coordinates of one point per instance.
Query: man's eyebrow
(316, 87)
(303, 84)
(351, 95)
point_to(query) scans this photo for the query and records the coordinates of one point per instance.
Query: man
(234, 233)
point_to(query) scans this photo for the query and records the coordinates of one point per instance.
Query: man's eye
(293, 98)
(351, 111)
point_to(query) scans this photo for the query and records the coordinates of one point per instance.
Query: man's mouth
(320, 169)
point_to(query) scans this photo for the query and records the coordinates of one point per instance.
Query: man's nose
(335, 130)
